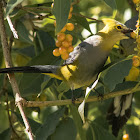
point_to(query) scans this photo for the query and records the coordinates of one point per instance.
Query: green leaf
(133, 131)
(31, 83)
(111, 3)
(78, 122)
(34, 125)
(6, 134)
(43, 40)
(116, 73)
(50, 125)
(66, 130)
(125, 85)
(61, 12)
(82, 21)
(11, 5)
(99, 133)
(23, 33)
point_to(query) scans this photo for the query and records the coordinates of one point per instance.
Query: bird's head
(115, 30)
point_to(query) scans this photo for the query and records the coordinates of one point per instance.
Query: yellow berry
(65, 56)
(58, 43)
(65, 43)
(69, 26)
(56, 52)
(70, 43)
(61, 36)
(71, 8)
(126, 137)
(69, 37)
(133, 35)
(70, 16)
(136, 61)
(62, 50)
(133, 74)
(70, 49)
(136, 1)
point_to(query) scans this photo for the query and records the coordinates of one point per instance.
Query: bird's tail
(51, 70)
(119, 112)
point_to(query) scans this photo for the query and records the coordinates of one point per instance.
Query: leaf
(133, 131)
(11, 5)
(61, 12)
(116, 73)
(125, 85)
(99, 133)
(82, 21)
(66, 130)
(43, 40)
(111, 3)
(6, 134)
(78, 122)
(50, 125)
(34, 125)
(31, 82)
(23, 33)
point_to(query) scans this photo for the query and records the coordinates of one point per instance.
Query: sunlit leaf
(61, 11)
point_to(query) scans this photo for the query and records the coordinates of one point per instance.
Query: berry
(70, 49)
(133, 74)
(65, 43)
(69, 37)
(61, 36)
(65, 56)
(136, 61)
(136, 1)
(56, 52)
(70, 43)
(58, 43)
(62, 50)
(126, 137)
(69, 26)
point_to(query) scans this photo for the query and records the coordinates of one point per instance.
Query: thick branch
(79, 100)
(8, 63)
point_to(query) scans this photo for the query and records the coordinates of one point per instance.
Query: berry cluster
(64, 41)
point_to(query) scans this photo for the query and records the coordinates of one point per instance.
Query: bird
(86, 61)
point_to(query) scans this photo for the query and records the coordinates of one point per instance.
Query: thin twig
(77, 14)
(8, 63)
(9, 117)
(79, 100)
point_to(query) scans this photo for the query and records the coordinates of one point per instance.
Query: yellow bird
(86, 61)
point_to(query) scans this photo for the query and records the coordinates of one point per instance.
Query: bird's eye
(119, 27)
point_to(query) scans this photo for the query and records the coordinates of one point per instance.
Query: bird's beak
(127, 32)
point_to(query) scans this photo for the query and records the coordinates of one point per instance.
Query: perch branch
(79, 100)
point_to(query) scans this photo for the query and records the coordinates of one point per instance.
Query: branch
(79, 100)
(8, 63)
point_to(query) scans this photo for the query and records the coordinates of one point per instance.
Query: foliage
(34, 22)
